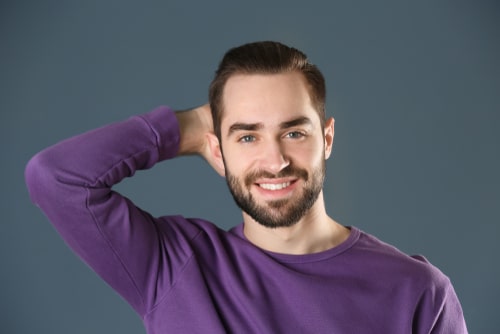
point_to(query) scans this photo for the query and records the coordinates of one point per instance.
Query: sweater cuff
(165, 126)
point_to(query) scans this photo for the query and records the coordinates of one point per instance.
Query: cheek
(236, 161)
(308, 154)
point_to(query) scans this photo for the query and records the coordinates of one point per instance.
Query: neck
(315, 232)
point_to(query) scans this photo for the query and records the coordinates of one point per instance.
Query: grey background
(414, 87)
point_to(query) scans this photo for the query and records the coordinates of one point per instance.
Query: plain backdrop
(414, 87)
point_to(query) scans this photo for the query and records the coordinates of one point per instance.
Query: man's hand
(195, 126)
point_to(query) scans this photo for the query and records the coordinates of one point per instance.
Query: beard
(283, 212)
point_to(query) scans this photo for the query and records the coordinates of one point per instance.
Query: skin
(269, 125)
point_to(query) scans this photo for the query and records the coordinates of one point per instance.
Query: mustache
(288, 171)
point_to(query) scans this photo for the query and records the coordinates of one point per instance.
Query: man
(289, 267)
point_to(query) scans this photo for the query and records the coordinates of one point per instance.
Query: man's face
(273, 147)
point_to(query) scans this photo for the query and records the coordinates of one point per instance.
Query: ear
(214, 156)
(329, 133)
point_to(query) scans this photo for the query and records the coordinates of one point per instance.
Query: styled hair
(265, 57)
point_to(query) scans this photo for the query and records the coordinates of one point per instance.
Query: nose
(273, 158)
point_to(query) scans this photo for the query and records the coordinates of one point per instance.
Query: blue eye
(295, 134)
(246, 139)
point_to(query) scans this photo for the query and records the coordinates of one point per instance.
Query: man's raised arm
(71, 182)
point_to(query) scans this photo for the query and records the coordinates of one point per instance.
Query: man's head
(272, 138)
(265, 58)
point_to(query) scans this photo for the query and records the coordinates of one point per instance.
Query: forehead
(266, 98)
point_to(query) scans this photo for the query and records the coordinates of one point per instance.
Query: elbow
(39, 174)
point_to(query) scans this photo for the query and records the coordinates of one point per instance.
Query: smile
(274, 186)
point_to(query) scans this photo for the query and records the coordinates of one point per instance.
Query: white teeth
(274, 186)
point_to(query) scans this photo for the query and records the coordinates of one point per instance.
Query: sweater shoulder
(391, 260)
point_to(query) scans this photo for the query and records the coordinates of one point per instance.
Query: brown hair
(265, 58)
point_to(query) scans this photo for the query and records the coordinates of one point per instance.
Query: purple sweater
(189, 276)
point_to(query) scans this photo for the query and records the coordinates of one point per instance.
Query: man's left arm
(439, 311)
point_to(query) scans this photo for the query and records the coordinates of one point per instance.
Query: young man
(289, 267)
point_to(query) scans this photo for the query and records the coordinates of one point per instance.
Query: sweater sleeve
(439, 310)
(450, 319)
(71, 182)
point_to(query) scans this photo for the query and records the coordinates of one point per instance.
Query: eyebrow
(244, 127)
(257, 126)
(295, 122)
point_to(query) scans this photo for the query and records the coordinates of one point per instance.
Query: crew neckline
(303, 258)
